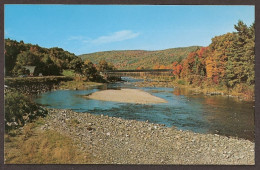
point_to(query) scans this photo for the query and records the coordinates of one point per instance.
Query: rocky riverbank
(112, 140)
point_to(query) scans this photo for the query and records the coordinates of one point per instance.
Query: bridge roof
(30, 68)
(146, 70)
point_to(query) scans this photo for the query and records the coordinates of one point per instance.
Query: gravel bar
(126, 96)
(111, 140)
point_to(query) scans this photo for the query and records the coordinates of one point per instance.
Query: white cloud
(115, 37)
(81, 39)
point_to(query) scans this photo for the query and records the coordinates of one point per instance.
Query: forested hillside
(133, 59)
(47, 61)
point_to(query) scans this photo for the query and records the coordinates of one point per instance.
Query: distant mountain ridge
(133, 59)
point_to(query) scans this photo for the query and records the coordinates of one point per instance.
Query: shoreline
(114, 140)
(207, 92)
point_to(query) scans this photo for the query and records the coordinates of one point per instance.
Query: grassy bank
(241, 91)
(77, 84)
(35, 145)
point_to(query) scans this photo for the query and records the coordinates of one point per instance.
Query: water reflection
(226, 116)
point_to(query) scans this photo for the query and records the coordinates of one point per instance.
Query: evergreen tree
(240, 66)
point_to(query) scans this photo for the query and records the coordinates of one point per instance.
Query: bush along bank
(18, 91)
(20, 109)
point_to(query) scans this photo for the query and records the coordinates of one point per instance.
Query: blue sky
(84, 29)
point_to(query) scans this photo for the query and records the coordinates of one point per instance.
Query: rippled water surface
(185, 110)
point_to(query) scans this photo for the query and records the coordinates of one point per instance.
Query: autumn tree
(12, 49)
(47, 67)
(217, 60)
(104, 65)
(76, 64)
(89, 70)
(177, 68)
(19, 70)
(210, 67)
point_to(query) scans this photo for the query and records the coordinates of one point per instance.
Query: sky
(82, 29)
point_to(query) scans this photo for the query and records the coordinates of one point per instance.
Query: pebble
(136, 142)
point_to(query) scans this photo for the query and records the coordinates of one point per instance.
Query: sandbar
(126, 96)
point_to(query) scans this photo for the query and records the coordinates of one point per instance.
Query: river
(185, 110)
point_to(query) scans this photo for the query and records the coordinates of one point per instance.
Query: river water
(184, 110)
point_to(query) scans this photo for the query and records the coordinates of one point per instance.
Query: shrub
(68, 73)
(182, 82)
(19, 110)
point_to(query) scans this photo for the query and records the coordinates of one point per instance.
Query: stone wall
(34, 85)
